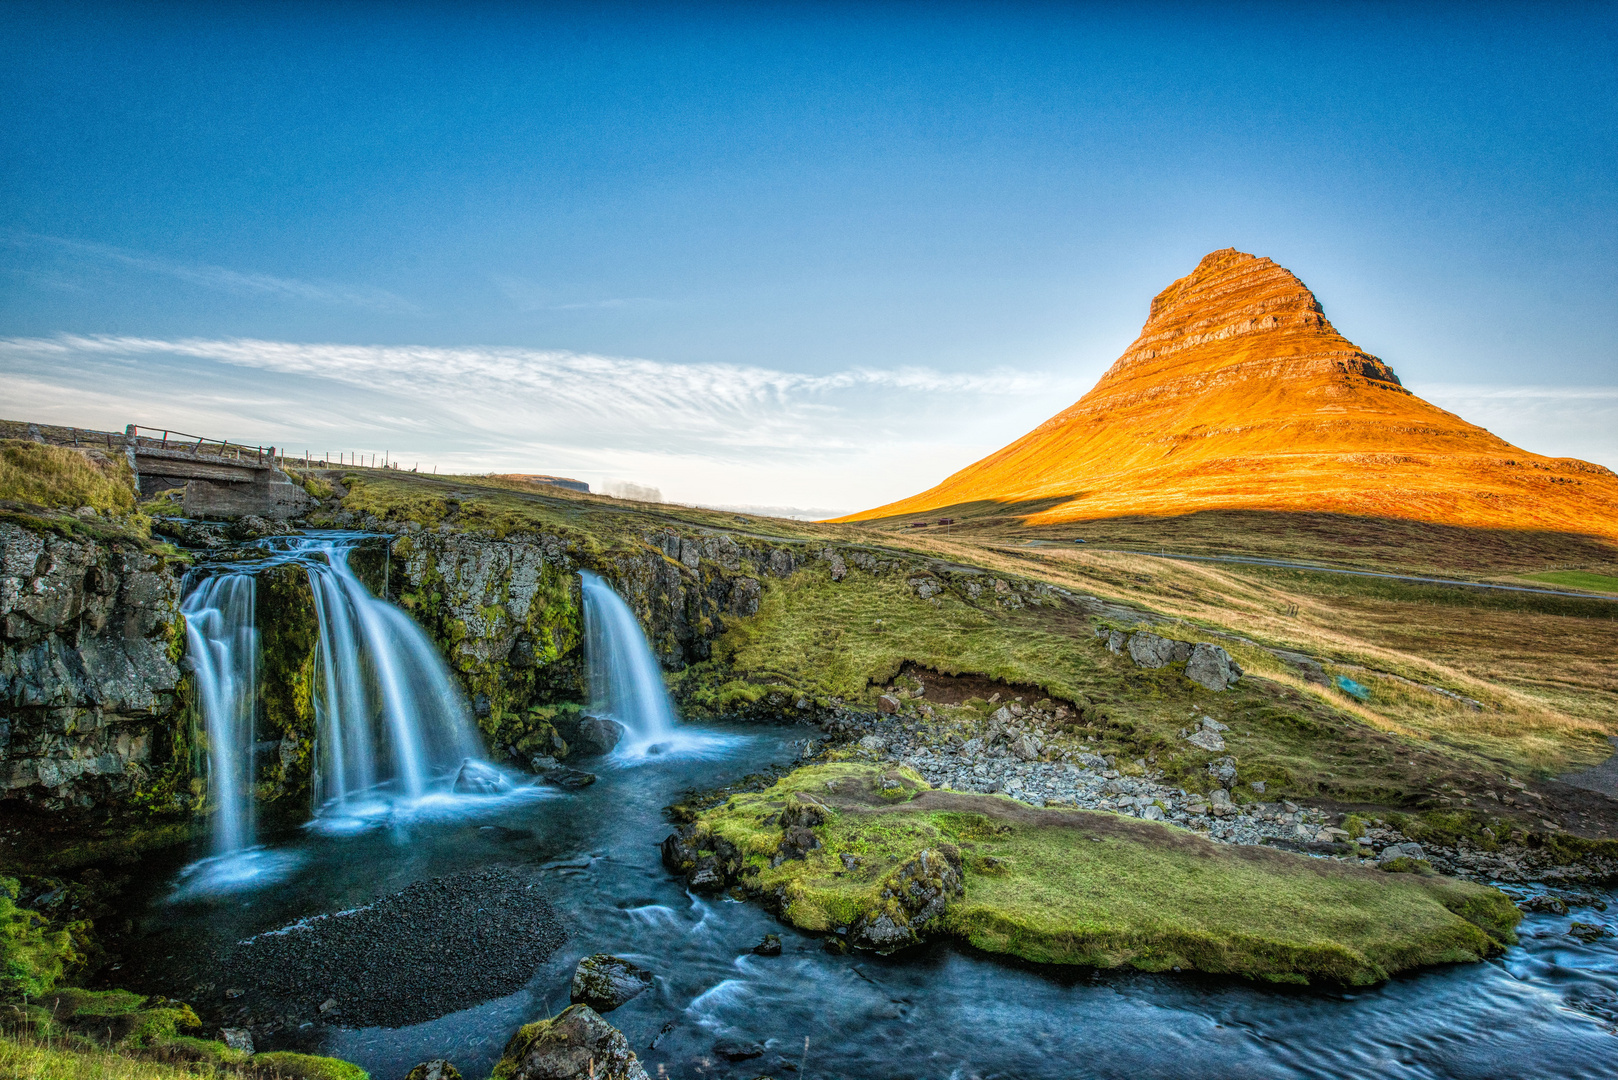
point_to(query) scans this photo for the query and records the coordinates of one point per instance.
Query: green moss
(1077, 887)
(290, 1066)
(32, 956)
(289, 631)
(200, 1051)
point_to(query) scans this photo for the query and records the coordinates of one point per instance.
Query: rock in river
(575, 1044)
(434, 1070)
(596, 735)
(605, 982)
(476, 778)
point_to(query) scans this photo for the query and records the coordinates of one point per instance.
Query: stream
(1547, 1008)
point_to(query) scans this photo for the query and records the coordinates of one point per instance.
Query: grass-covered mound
(1078, 887)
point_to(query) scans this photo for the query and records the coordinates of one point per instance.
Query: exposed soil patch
(941, 689)
(427, 950)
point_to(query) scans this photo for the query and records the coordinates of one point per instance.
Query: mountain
(1239, 394)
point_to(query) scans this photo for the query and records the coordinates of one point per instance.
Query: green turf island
(879, 859)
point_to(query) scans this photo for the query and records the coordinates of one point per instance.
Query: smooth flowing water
(1548, 1008)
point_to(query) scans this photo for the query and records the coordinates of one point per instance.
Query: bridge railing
(145, 438)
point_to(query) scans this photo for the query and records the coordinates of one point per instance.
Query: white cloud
(710, 433)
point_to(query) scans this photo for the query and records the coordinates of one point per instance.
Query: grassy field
(1577, 579)
(1076, 887)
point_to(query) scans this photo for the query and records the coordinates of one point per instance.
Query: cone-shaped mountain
(1239, 394)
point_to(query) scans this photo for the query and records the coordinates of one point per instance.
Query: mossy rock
(1081, 887)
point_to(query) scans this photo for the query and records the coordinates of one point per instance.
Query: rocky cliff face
(507, 611)
(1240, 394)
(90, 638)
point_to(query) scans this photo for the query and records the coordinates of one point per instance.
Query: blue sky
(810, 255)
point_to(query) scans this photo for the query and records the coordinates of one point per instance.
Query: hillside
(1239, 394)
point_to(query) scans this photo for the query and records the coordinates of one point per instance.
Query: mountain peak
(1240, 394)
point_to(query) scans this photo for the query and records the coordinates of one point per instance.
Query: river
(1547, 1008)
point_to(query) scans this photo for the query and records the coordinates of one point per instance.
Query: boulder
(1409, 850)
(1152, 651)
(434, 1070)
(477, 778)
(1219, 800)
(576, 1044)
(1212, 667)
(738, 1049)
(1206, 739)
(1026, 747)
(887, 704)
(1224, 770)
(596, 735)
(605, 982)
(566, 778)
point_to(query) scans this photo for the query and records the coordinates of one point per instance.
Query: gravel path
(430, 949)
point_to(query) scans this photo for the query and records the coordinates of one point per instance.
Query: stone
(1151, 651)
(920, 891)
(1408, 850)
(781, 563)
(566, 778)
(476, 778)
(1589, 933)
(839, 569)
(1545, 904)
(596, 735)
(874, 743)
(770, 946)
(887, 704)
(1211, 667)
(576, 1044)
(237, 1038)
(1026, 747)
(434, 1070)
(1219, 801)
(1223, 770)
(1206, 739)
(605, 982)
(738, 1049)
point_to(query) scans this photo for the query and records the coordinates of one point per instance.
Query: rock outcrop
(1239, 394)
(575, 1044)
(1206, 664)
(90, 636)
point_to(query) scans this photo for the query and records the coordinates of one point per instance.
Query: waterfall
(387, 711)
(386, 706)
(222, 642)
(626, 682)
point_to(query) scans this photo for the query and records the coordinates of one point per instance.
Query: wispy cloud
(714, 433)
(219, 278)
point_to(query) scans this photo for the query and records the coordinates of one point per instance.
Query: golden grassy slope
(1239, 394)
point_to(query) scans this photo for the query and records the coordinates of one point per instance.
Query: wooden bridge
(168, 459)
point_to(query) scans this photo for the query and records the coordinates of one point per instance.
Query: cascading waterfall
(387, 711)
(222, 641)
(386, 706)
(626, 683)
